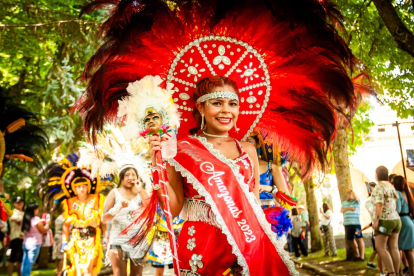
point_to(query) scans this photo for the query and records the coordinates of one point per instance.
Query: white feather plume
(112, 152)
(146, 93)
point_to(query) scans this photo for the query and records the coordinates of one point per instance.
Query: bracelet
(154, 169)
(156, 187)
(274, 190)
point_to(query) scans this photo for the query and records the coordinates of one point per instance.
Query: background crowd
(391, 207)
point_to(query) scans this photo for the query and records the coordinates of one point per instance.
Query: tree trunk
(342, 171)
(401, 34)
(316, 238)
(43, 257)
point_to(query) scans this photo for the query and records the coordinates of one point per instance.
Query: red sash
(218, 179)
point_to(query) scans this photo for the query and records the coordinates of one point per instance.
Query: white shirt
(324, 220)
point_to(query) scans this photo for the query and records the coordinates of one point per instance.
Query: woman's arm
(279, 180)
(42, 228)
(143, 194)
(378, 211)
(251, 151)
(109, 204)
(399, 204)
(175, 180)
(326, 216)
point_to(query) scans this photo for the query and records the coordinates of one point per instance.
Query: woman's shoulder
(35, 220)
(248, 148)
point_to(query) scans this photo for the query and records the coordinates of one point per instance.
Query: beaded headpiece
(218, 95)
(223, 56)
(62, 177)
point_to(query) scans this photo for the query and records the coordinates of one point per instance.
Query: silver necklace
(216, 136)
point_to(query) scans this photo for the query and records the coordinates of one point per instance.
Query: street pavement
(150, 271)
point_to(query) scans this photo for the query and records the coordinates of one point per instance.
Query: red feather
(308, 62)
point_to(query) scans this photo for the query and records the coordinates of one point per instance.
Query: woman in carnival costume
(78, 192)
(272, 179)
(114, 155)
(234, 66)
(274, 194)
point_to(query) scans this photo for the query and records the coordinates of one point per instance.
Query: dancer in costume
(271, 177)
(78, 192)
(124, 204)
(279, 65)
(160, 253)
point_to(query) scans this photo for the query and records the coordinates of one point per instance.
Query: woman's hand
(105, 242)
(375, 225)
(138, 185)
(155, 145)
(124, 204)
(265, 188)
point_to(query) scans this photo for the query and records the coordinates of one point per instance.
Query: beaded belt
(198, 210)
(85, 233)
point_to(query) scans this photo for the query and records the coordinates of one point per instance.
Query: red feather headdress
(289, 62)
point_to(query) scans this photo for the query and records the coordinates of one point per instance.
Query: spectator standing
(16, 238)
(305, 225)
(296, 234)
(387, 223)
(328, 238)
(34, 229)
(351, 210)
(4, 229)
(370, 208)
(57, 255)
(405, 208)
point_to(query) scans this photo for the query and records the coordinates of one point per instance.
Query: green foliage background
(44, 46)
(43, 49)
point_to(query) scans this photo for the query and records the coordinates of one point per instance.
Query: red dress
(201, 236)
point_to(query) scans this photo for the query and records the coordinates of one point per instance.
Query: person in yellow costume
(82, 210)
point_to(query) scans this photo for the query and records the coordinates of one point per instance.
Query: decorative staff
(150, 111)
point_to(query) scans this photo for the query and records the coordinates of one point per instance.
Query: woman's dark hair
(382, 173)
(294, 212)
(204, 86)
(401, 185)
(28, 215)
(326, 207)
(391, 177)
(123, 172)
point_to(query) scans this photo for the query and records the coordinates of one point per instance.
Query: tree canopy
(390, 66)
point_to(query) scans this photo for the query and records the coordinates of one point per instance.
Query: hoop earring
(202, 122)
(236, 128)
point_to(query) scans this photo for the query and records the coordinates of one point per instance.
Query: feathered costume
(21, 137)
(112, 154)
(160, 253)
(292, 71)
(58, 186)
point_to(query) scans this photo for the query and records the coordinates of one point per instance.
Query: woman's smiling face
(220, 114)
